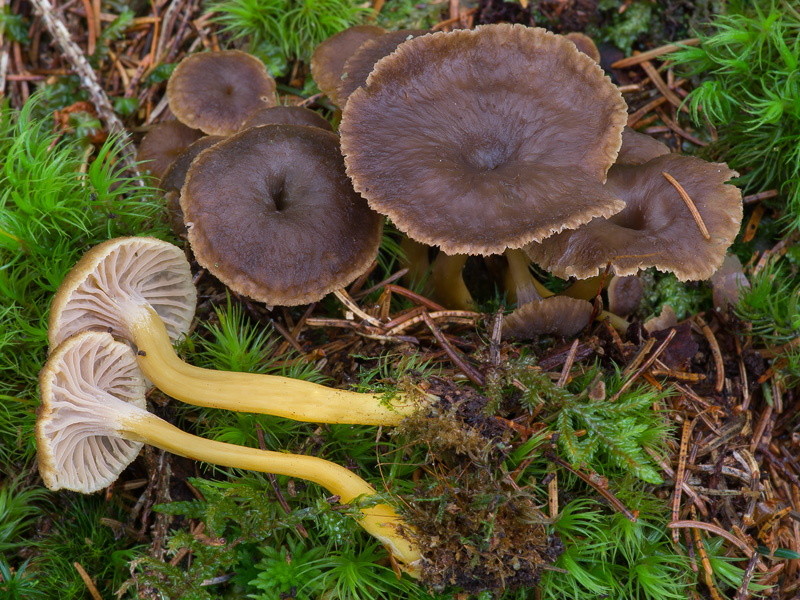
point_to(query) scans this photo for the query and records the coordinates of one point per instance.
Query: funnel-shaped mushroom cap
(657, 228)
(85, 384)
(287, 115)
(162, 145)
(327, 62)
(217, 91)
(637, 148)
(358, 67)
(119, 273)
(271, 213)
(556, 315)
(485, 139)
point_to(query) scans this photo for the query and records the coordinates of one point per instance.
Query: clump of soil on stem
(475, 526)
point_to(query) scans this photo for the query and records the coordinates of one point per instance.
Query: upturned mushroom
(140, 289)
(480, 140)
(92, 422)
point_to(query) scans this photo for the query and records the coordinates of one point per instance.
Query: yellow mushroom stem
(379, 520)
(415, 259)
(526, 287)
(586, 289)
(447, 283)
(249, 392)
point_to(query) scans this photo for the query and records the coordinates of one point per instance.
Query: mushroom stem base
(380, 520)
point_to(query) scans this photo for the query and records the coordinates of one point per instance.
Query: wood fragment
(88, 581)
(345, 299)
(689, 204)
(765, 195)
(552, 495)
(753, 222)
(419, 299)
(654, 53)
(716, 530)
(679, 477)
(719, 365)
(742, 593)
(562, 380)
(472, 374)
(629, 381)
(662, 86)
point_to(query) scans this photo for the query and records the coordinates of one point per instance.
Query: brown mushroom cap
(327, 62)
(656, 229)
(272, 214)
(556, 315)
(75, 438)
(637, 148)
(585, 44)
(97, 290)
(727, 282)
(217, 91)
(175, 177)
(287, 115)
(624, 295)
(358, 67)
(162, 145)
(478, 140)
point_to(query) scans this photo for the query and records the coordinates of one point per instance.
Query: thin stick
(715, 530)
(645, 366)
(662, 86)
(87, 76)
(679, 476)
(719, 365)
(568, 365)
(742, 594)
(345, 299)
(689, 204)
(654, 53)
(552, 493)
(698, 502)
(88, 581)
(473, 375)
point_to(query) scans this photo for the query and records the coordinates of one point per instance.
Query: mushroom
(92, 423)
(556, 315)
(163, 144)
(479, 140)
(218, 91)
(358, 67)
(585, 44)
(174, 178)
(637, 148)
(327, 62)
(681, 216)
(727, 282)
(271, 213)
(127, 285)
(287, 115)
(624, 295)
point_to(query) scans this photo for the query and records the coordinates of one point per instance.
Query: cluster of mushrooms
(503, 139)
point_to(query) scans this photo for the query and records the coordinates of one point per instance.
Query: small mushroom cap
(637, 148)
(664, 320)
(478, 140)
(727, 282)
(327, 62)
(84, 385)
(175, 177)
(624, 295)
(217, 91)
(271, 213)
(556, 315)
(109, 278)
(287, 115)
(585, 44)
(656, 229)
(358, 67)
(163, 144)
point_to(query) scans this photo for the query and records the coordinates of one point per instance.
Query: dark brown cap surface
(656, 229)
(556, 315)
(358, 67)
(287, 115)
(217, 91)
(637, 148)
(327, 62)
(272, 214)
(478, 140)
(162, 145)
